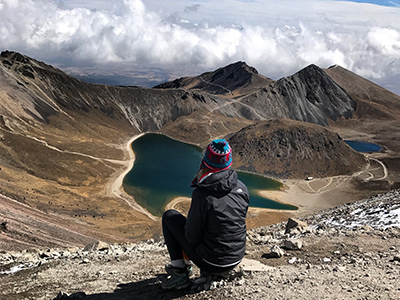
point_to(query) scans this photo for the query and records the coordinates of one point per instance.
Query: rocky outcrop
(290, 149)
(295, 225)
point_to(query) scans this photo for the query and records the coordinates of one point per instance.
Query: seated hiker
(214, 233)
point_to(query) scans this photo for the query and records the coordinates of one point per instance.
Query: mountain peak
(312, 70)
(232, 80)
(14, 56)
(239, 66)
(25, 65)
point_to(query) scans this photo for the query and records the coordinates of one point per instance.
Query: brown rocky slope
(285, 148)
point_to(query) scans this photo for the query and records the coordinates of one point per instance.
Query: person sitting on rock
(213, 236)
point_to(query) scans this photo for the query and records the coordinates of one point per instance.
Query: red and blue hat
(218, 155)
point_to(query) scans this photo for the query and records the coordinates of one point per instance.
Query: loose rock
(292, 244)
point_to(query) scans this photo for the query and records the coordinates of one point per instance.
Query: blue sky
(186, 37)
(378, 2)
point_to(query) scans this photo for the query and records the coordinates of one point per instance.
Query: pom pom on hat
(218, 155)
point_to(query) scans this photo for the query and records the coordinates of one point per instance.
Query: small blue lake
(164, 169)
(363, 146)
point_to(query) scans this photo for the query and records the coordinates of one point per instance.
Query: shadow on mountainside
(145, 289)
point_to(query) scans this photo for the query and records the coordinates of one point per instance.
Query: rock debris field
(348, 252)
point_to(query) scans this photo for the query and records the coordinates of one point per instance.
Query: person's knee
(173, 216)
(169, 214)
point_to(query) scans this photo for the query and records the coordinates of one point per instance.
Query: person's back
(214, 234)
(216, 220)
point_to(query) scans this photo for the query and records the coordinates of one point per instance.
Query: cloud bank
(278, 37)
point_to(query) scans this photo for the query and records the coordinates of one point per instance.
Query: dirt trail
(319, 185)
(217, 85)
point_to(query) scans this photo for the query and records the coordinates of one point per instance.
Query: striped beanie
(218, 155)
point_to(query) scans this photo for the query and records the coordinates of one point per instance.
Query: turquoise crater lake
(361, 146)
(164, 169)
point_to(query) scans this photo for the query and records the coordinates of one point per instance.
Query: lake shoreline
(299, 193)
(117, 185)
(307, 196)
(116, 188)
(154, 179)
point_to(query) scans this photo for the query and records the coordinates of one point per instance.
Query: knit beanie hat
(218, 155)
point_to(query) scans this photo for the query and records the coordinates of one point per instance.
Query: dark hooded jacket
(216, 219)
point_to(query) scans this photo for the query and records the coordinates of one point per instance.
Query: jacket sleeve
(196, 220)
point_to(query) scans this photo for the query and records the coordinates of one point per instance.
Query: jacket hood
(222, 181)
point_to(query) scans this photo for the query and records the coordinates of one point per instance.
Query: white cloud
(278, 37)
(385, 41)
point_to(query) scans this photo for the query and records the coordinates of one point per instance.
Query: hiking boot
(203, 283)
(178, 279)
(188, 268)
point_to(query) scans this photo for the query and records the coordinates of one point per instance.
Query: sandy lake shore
(115, 186)
(308, 195)
(299, 193)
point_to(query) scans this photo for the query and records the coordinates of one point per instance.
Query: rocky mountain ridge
(48, 92)
(233, 80)
(372, 99)
(310, 96)
(334, 254)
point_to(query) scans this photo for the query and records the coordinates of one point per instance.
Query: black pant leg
(173, 224)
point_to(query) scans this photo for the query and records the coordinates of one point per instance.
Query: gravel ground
(348, 252)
